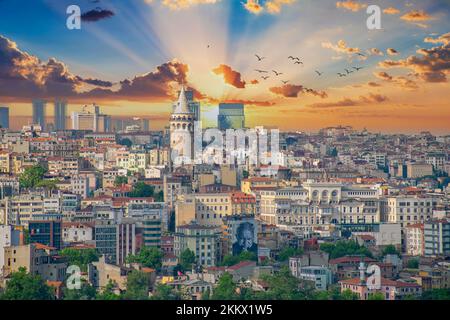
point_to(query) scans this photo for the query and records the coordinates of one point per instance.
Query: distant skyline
(132, 60)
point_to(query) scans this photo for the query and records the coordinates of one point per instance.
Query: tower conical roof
(182, 104)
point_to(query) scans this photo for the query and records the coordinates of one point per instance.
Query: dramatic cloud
(96, 15)
(156, 85)
(433, 65)
(375, 52)
(293, 91)
(22, 74)
(230, 76)
(253, 6)
(96, 82)
(391, 10)
(350, 5)
(392, 52)
(24, 77)
(400, 81)
(271, 6)
(340, 47)
(347, 102)
(417, 17)
(443, 39)
(181, 4)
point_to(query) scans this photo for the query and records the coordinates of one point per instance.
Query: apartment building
(437, 237)
(415, 241)
(204, 241)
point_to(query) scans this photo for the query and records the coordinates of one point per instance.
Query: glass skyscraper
(4, 117)
(60, 114)
(231, 116)
(39, 113)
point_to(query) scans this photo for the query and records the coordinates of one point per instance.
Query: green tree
(142, 190)
(376, 296)
(347, 294)
(436, 294)
(413, 264)
(283, 286)
(137, 286)
(229, 260)
(80, 257)
(225, 289)
(108, 293)
(247, 256)
(120, 180)
(344, 248)
(32, 176)
(86, 292)
(288, 252)
(187, 258)
(165, 292)
(150, 257)
(390, 249)
(25, 286)
(47, 184)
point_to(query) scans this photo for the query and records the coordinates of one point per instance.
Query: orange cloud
(392, 52)
(376, 52)
(431, 66)
(271, 6)
(340, 47)
(417, 17)
(350, 5)
(391, 10)
(274, 6)
(293, 91)
(254, 81)
(443, 39)
(400, 81)
(347, 102)
(253, 6)
(230, 76)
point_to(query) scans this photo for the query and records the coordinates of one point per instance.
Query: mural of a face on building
(245, 238)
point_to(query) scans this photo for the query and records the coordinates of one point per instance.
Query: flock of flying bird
(298, 61)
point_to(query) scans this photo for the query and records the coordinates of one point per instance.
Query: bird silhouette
(298, 62)
(277, 73)
(319, 73)
(259, 58)
(285, 82)
(341, 74)
(348, 71)
(360, 54)
(358, 68)
(261, 71)
(265, 78)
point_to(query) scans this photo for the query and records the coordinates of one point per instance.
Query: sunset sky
(130, 57)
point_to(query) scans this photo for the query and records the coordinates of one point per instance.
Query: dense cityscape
(222, 158)
(100, 211)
